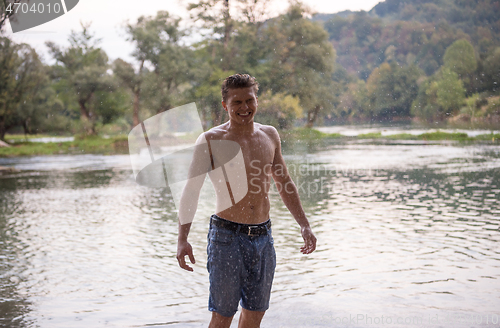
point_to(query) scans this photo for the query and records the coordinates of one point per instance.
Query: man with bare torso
(241, 256)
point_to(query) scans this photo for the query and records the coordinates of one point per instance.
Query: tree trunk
(227, 36)
(88, 125)
(217, 115)
(204, 122)
(214, 117)
(227, 21)
(312, 115)
(135, 115)
(2, 131)
(26, 127)
(137, 95)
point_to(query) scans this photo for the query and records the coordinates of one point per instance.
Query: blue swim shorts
(241, 265)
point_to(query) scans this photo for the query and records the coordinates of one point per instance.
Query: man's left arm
(290, 196)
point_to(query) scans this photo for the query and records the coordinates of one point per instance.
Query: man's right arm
(188, 204)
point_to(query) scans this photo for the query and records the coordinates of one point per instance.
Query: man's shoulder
(269, 130)
(216, 133)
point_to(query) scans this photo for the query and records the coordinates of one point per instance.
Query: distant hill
(467, 15)
(411, 32)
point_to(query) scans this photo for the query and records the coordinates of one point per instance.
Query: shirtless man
(241, 257)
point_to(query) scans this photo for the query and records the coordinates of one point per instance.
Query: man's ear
(224, 105)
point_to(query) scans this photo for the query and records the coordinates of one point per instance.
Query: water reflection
(403, 230)
(13, 306)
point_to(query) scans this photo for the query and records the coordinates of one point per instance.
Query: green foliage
(302, 61)
(472, 106)
(131, 81)
(305, 134)
(424, 106)
(439, 97)
(278, 110)
(417, 31)
(402, 59)
(364, 42)
(370, 135)
(207, 93)
(392, 89)
(289, 54)
(158, 43)
(490, 73)
(84, 67)
(460, 58)
(450, 91)
(354, 102)
(335, 25)
(81, 145)
(468, 15)
(493, 106)
(26, 99)
(439, 135)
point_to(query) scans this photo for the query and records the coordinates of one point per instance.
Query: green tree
(207, 93)
(392, 90)
(215, 17)
(461, 59)
(39, 110)
(450, 92)
(425, 105)
(24, 96)
(278, 110)
(133, 81)
(219, 55)
(472, 106)
(84, 65)
(335, 25)
(354, 103)
(491, 71)
(158, 43)
(439, 97)
(301, 61)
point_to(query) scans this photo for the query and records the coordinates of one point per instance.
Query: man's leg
(219, 321)
(250, 319)
(223, 268)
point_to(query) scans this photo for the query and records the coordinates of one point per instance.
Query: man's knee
(250, 319)
(220, 321)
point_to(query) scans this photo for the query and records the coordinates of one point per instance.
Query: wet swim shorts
(241, 263)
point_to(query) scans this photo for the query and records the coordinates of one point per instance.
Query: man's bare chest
(257, 153)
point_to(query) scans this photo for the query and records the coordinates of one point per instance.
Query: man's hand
(184, 248)
(309, 240)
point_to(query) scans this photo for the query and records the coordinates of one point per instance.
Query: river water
(408, 236)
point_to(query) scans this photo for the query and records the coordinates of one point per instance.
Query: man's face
(241, 105)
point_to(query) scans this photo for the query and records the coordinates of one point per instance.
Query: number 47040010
(34, 8)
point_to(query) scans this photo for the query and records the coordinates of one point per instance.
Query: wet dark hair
(238, 81)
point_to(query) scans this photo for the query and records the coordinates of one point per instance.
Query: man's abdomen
(250, 210)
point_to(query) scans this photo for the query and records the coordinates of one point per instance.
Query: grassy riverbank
(311, 134)
(119, 145)
(87, 145)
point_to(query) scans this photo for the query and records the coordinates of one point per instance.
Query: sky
(109, 17)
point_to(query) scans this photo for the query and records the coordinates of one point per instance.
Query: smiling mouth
(246, 114)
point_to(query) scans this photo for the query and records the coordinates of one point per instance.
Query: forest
(419, 60)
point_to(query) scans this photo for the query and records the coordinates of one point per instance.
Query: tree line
(301, 64)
